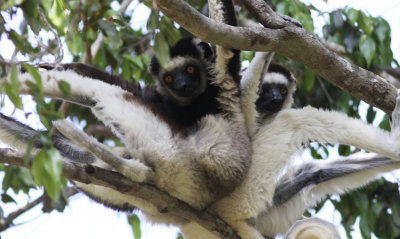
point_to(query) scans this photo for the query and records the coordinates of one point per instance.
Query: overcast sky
(86, 219)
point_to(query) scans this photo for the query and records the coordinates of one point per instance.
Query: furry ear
(187, 46)
(278, 68)
(154, 66)
(207, 51)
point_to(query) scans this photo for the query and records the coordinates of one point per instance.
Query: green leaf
(126, 70)
(367, 48)
(308, 80)
(366, 23)
(46, 171)
(382, 29)
(371, 113)
(134, 221)
(169, 31)
(281, 8)
(12, 88)
(31, 15)
(64, 87)
(136, 60)
(352, 15)
(161, 49)
(57, 16)
(337, 19)
(385, 124)
(112, 34)
(179, 236)
(75, 44)
(306, 21)
(153, 22)
(35, 74)
(19, 42)
(18, 179)
(51, 114)
(5, 5)
(364, 228)
(7, 198)
(351, 38)
(344, 150)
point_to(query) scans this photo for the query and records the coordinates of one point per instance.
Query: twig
(60, 55)
(7, 222)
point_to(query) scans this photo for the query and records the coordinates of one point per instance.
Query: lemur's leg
(133, 169)
(114, 106)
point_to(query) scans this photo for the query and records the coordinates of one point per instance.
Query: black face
(271, 98)
(184, 80)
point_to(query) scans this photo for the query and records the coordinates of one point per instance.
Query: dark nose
(277, 98)
(277, 101)
(182, 85)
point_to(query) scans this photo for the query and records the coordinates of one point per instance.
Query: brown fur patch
(128, 97)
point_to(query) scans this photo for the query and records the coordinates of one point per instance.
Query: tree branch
(8, 221)
(290, 41)
(263, 12)
(164, 202)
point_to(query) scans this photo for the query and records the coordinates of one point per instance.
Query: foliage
(50, 27)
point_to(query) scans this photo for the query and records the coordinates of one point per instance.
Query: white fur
(145, 134)
(283, 135)
(275, 143)
(313, 228)
(250, 85)
(277, 220)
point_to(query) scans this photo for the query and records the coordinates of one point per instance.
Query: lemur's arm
(316, 125)
(250, 84)
(308, 184)
(18, 135)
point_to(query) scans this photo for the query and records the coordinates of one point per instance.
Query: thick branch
(262, 11)
(290, 41)
(165, 203)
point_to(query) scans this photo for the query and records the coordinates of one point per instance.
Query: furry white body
(178, 162)
(274, 145)
(276, 140)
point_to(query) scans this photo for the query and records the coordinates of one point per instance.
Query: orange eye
(190, 69)
(283, 91)
(168, 79)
